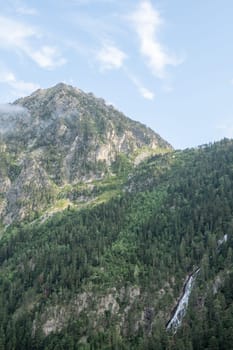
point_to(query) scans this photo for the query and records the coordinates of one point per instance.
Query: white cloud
(46, 57)
(147, 94)
(147, 22)
(18, 36)
(14, 34)
(144, 92)
(111, 57)
(19, 87)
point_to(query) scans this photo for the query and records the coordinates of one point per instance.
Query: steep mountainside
(59, 137)
(109, 238)
(107, 276)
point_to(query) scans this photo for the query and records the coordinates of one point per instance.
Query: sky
(165, 63)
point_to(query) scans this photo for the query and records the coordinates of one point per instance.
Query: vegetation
(107, 275)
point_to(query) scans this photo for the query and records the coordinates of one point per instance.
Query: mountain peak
(63, 87)
(58, 92)
(73, 137)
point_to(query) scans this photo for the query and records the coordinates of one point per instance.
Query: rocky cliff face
(61, 136)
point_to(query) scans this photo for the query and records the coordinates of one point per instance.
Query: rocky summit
(62, 136)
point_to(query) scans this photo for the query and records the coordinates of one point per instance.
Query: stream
(181, 307)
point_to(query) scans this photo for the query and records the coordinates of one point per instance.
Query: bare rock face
(80, 135)
(5, 184)
(118, 304)
(31, 192)
(61, 136)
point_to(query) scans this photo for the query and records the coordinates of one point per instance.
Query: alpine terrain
(110, 238)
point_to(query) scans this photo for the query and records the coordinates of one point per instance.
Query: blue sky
(166, 63)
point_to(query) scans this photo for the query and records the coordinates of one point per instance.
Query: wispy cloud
(144, 92)
(46, 56)
(111, 57)
(147, 22)
(18, 36)
(19, 87)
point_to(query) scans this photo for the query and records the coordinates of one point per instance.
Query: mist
(11, 109)
(12, 117)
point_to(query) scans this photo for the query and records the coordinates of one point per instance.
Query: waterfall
(182, 305)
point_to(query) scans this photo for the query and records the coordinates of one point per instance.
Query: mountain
(61, 137)
(140, 257)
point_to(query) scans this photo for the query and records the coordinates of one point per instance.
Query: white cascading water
(179, 314)
(181, 308)
(223, 240)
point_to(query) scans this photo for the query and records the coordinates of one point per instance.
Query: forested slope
(108, 276)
